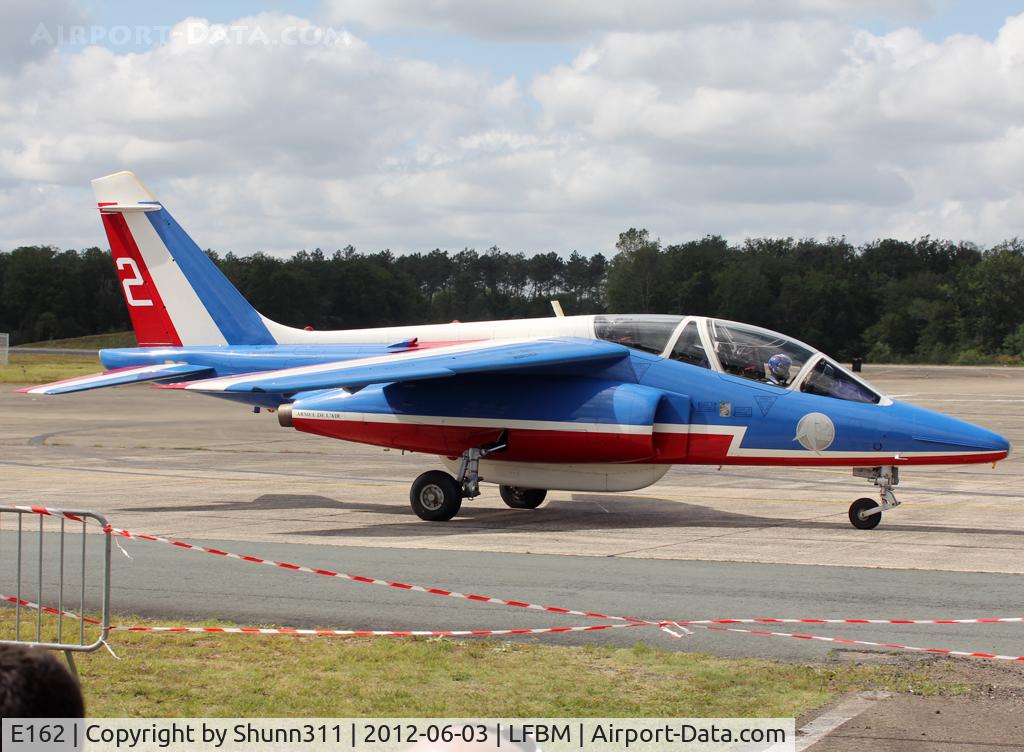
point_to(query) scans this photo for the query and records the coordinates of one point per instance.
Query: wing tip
(115, 377)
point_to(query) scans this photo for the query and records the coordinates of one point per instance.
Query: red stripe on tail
(152, 322)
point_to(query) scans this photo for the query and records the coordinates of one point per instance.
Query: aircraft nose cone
(1000, 443)
(984, 439)
(946, 434)
(992, 441)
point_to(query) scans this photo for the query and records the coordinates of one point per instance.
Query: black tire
(522, 498)
(865, 523)
(436, 496)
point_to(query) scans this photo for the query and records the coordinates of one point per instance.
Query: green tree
(993, 306)
(636, 280)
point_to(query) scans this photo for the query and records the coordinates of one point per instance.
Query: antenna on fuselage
(557, 308)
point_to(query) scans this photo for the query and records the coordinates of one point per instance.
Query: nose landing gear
(866, 514)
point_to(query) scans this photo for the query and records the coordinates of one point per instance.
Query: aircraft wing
(117, 377)
(441, 362)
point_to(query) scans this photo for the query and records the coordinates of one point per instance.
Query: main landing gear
(522, 498)
(865, 514)
(436, 496)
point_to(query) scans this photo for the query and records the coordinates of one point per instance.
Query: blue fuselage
(686, 414)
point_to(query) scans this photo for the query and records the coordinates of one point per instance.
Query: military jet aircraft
(576, 403)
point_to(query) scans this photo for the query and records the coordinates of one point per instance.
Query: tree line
(926, 300)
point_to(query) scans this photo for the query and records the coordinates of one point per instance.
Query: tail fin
(175, 294)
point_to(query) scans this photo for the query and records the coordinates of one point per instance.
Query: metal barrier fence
(5, 342)
(72, 564)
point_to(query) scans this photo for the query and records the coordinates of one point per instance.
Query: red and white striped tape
(628, 621)
(48, 511)
(47, 609)
(497, 632)
(324, 632)
(380, 632)
(994, 620)
(501, 601)
(844, 641)
(339, 575)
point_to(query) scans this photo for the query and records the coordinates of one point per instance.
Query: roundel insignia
(815, 432)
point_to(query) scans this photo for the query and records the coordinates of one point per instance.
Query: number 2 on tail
(133, 281)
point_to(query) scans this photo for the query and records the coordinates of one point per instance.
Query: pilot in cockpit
(778, 369)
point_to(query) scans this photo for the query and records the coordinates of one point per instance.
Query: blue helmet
(779, 364)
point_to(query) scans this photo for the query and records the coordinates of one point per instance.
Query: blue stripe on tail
(237, 320)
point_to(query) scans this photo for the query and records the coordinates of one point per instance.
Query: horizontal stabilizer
(477, 357)
(117, 377)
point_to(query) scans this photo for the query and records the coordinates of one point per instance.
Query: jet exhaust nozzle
(284, 416)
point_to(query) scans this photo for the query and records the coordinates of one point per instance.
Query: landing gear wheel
(522, 498)
(435, 496)
(864, 523)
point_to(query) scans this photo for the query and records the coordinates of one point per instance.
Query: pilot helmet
(779, 364)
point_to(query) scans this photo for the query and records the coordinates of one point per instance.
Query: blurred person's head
(35, 684)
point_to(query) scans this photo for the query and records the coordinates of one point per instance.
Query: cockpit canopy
(649, 333)
(746, 351)
(742, 350)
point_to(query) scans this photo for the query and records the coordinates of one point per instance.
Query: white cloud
(30, 28)
(543, 20)
(262, 117)
(808, 112)
(802, 126)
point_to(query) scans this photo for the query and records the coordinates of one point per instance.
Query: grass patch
(250, 675)
(27, 368)
(90, 342)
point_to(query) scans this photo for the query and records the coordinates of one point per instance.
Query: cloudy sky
(534, 126)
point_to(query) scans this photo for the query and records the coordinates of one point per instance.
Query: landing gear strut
(436, 496)
(865, 514)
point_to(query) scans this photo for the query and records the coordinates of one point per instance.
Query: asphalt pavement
(172, 584)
